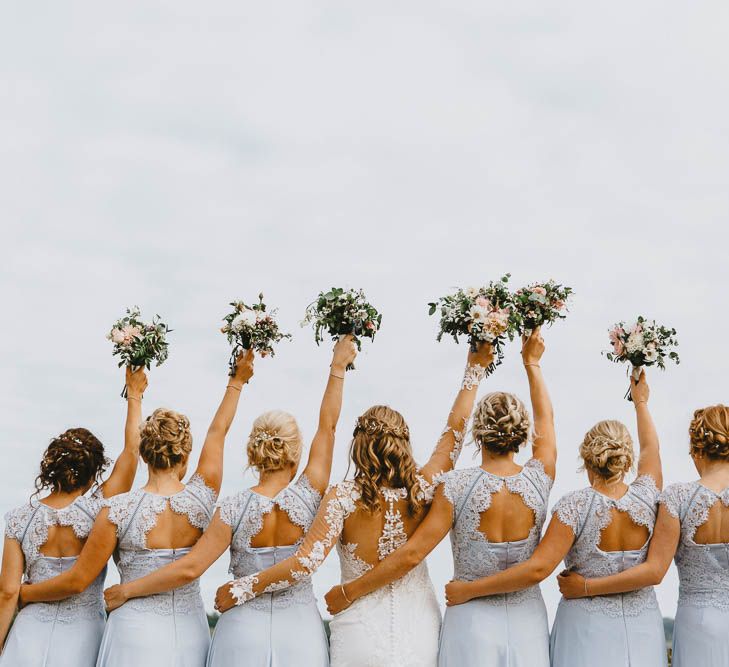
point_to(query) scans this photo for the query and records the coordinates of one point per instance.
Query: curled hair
(275, 442)
(709, 432)
(166, 440)
(383, 457)
(607, 450)
(74, 460)
(501, 423)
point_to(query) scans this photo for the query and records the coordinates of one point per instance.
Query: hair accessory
(264, 436)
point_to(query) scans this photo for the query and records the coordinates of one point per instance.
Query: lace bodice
(134, 514)
(703, 569)
(29, 524)
(469, 491)
(588, 513)
(244, 512)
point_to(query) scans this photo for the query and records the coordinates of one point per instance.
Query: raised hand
(457, 592)
(532, 347)
(483, 356)
(336, 600)
(571, 585)
(244, 367)
(115, 597)
(136, 382)
(345, 352)
(639, 390)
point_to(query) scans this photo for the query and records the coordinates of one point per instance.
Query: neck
(273, 481)
(163, 482)
(63, 498)
(498, 463)
(715, 471)
(612, 488)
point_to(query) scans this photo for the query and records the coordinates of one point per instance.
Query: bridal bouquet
(482, 314)
(138, 344)
(251, 328)
(643, 343)
(541, 303)
(339, 312)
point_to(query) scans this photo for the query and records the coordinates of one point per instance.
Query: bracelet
(637, 403)
(232, 386)
(334, 375)
(134, 398)
(587, 594)
(535, 365)
(344, 594)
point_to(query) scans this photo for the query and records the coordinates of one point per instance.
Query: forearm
(58, 588)
(647, 433)
(165, 579)
(224, 415)
(513, 579)
(8, 605)
(539, 395)
(331, 403)
(395, 566)
(632, 579)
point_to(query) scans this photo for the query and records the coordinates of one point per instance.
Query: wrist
(337, 367)
(236, 384)
(134, 397)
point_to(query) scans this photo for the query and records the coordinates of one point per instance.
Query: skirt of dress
(135, 638)
(33, 642)
(581, 637)
(700, 637)
(480, 632)
(271, 637)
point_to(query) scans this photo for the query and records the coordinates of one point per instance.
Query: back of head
(709, 432)
(501, 423)
(383, 457)
(166, 440)
(607, 450)
(74, 460)
(275, 442)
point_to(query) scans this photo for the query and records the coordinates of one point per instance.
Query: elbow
(411, 558)
(655, 576)
(189, 572)
(9, 591)
(538, 573)
(77, 584)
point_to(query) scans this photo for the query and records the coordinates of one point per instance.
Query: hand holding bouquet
(138, 344)
(541, 303)
(643, 343)
(339, 312)
(251, 328)
(482, 314)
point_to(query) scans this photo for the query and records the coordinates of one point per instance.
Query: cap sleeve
(454, 485)
(118, 508)
(568, 511)
(229, 509)
(16, 522)
(308, 493)
(645, 487)
(673, 498)
(534, 470)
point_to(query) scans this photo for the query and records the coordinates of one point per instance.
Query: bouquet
(339, 312)
(644, 343)
(541, 303)
(138, 344)
(251, 328)
(482, 314)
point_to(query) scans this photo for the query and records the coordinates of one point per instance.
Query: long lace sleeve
(337, 505)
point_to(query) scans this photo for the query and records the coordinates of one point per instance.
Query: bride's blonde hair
(382, 456)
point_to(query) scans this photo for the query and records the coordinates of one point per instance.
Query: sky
(178, 157)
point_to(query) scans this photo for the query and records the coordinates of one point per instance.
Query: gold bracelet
(134, 398)
(535, 365)
(232, 386)
(334, 375)
(587, 595)
(637, 403)
(344, 594)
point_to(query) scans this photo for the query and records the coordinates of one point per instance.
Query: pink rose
(539, 290)
(117, 336)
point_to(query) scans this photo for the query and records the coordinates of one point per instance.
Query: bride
(368, 518)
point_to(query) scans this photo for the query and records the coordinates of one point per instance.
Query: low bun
(274, 442)
(709, 432)
(501, 423)
(166, 440)
(74, 460)
(607, 450)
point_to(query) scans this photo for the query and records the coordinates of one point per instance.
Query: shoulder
(120, 505)
(645, 487)
(534, 470)
(197, 486)
(17, 520)
(230, 507)
(456, 482)
(345, 494)
(572, 506)
(675, 496)
(304, 488)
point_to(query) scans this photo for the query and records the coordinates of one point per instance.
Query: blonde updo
(274, 442)
(709, 432)
(166, 439)
(501, 423)
(607, 450)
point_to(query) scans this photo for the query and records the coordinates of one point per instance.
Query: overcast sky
(178, 155)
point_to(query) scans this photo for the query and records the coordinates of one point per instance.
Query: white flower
(116, 336)
(650, 353)
(478, 313)
(635, 342)
(246, 318)
(471, 292)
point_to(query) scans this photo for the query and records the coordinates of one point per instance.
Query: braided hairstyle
(501, 423)
(709, 432)
(382, 456)
(275, 442)
(74, 460)
(607, 450)
(166, 440)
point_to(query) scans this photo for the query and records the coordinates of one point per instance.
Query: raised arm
(10, 578)
(650, 573)
(649, 461)
(207, 550)
(448, 447)
(551, 551)
(210, 464)
(125, 468)
(91, 561)
(319, 466)
(317, 544)
(544, 446)
(431, 531)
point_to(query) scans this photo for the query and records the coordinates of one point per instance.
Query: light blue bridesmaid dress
(508, 630)
(167, 629)
(621, 630)
(280, 629)
(66, 633)
(701, 628)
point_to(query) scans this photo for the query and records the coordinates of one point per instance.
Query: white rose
(471, 292)
(246, 318)
(651, 353)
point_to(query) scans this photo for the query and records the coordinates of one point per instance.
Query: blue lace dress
(66, 633)
(167, 629)
(508, 630)
(281, 628)
(701, 629)
(621, 630)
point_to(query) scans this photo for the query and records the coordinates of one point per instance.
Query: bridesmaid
(495, 513)
(602, 529)
(44, 537)
(693, 524)
(149, 528)
(262, 526)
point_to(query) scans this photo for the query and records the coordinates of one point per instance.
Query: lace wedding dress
(167, 628)
(623, 629)
(66, 633)
(700, 634)
(280, 628)
(509, 630)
